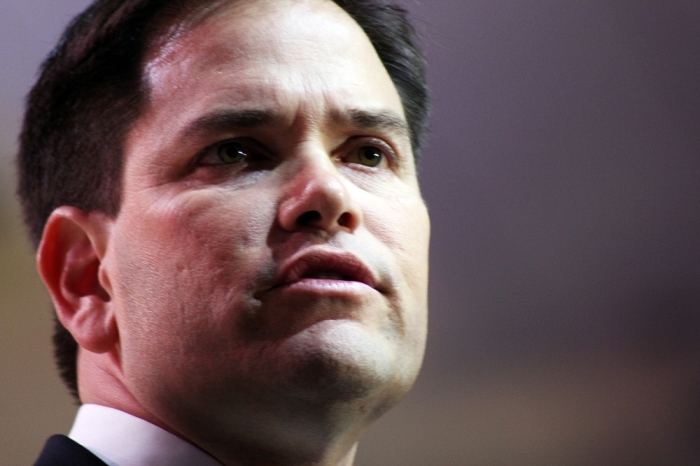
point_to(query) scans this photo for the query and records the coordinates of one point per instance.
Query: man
(230, 227)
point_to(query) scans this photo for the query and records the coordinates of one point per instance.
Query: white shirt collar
(120, 439)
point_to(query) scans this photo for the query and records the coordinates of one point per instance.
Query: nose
(317, 198)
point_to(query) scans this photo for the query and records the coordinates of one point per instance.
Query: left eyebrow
(382, 120)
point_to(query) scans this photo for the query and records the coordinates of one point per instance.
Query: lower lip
(327, 287)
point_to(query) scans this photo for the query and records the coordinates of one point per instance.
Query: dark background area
(562, 175)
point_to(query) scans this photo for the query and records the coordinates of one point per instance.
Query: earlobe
(69, 260)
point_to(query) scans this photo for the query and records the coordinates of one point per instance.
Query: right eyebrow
(227, 120)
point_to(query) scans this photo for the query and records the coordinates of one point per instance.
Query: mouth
(327, 275)
(322, 265)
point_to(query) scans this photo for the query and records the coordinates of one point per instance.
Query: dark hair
(90, 91)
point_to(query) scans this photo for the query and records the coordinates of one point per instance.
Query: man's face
(272, 240)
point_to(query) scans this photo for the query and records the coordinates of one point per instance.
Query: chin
(344, 360)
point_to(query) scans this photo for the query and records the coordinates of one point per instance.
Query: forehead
(274, 46)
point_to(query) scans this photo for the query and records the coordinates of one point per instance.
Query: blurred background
(563, 178)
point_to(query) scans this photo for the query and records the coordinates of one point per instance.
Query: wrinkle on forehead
(174, 25)
(207, 21)
(240, 35)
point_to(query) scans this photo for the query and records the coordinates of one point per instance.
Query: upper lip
(342, 263)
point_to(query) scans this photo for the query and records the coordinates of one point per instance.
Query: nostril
(344, 219)
(309, 218)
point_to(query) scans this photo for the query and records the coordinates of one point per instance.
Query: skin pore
(262, 292)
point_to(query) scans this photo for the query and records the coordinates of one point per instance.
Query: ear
(69, 260)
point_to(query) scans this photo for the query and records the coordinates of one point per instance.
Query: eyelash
(371, 142)
(251, 147)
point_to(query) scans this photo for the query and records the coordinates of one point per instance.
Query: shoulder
(59, 450)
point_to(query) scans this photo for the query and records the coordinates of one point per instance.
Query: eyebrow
(382, 120)
(226, 120)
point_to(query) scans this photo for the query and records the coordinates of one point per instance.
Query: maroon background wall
(562, 176)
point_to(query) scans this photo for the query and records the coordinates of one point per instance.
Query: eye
(242, 152)
(369, 156)
(231, 153)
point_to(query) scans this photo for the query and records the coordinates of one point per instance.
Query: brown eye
(232, 153)
(369, 156)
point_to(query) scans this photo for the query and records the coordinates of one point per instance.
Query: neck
(247, 434)
(250, 455)
(276, 432)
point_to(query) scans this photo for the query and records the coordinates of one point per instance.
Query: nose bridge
(317, 194)
(318, 171)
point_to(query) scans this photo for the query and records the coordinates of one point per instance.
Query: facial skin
(262, 291)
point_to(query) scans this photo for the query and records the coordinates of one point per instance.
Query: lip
(325, 270)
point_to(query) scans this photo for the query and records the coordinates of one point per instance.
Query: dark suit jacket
(62, 451)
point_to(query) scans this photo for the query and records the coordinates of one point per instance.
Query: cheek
(184, 270)
(402, 226)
